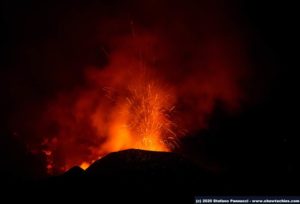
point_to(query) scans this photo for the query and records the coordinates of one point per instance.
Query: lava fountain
(141, 117)
(154, 85)
(124, 105)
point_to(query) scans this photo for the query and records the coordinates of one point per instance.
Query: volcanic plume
(157, 78)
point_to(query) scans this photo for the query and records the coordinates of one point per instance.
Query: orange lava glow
(84, 165)
(126, 105)
(143, 98)
(140, 118)
(130, 75)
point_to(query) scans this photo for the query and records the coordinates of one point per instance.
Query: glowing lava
(140, 99)
(120, 76)
(141, 117)
(126, 105)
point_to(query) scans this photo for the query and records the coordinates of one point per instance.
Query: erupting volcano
(134, 101)
(133, 83)
(125, 105)
(147, 98)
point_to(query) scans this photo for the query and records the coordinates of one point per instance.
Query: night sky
(47, 45)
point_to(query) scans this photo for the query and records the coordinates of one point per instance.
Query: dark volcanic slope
(151, 175)
(145, 171)
(129, 176)
(143, 164)
(137, 176)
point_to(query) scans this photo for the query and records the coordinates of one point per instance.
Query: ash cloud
(193, 48)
